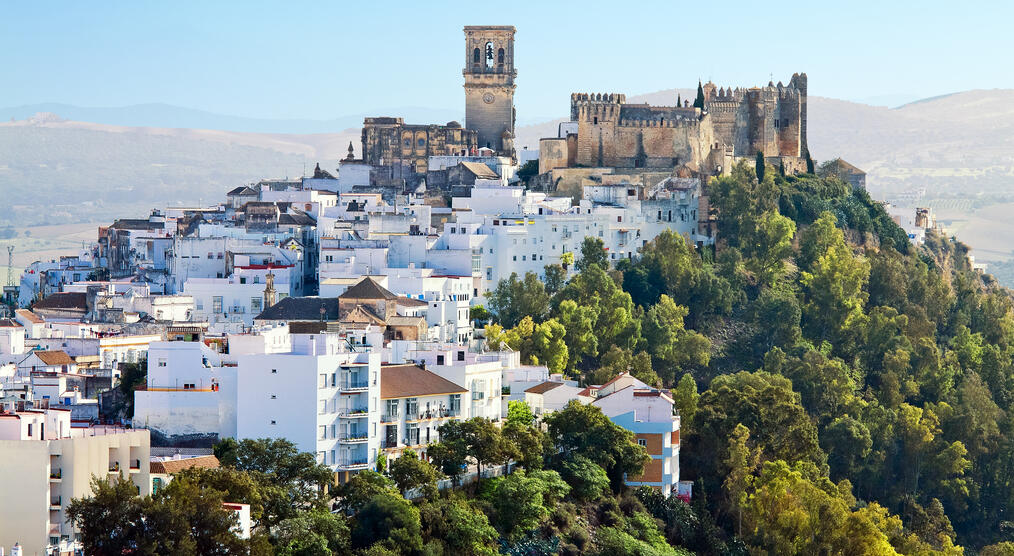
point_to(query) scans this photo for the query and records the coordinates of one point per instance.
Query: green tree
(587, 480)
(593, 251)
(741, 464)
(111, 520)
(834, 289)
(521, 501)
(312, 533)
(183, 518)
(556, 277)
(671, 344)
(699, 100)
(685, 399)
(389, 520)
(519, 413)
(583, 430)
(767, 244)
(514, 299)
(361, 488)
(459, 527)
(409, 472)
(580, 338)
(759, 166)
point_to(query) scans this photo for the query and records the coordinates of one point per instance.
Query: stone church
(402, 150)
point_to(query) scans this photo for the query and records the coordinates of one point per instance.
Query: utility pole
(10, 265)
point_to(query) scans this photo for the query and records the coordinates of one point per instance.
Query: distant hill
(958, 146)
(169, 116)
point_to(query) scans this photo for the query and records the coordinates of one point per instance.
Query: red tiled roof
(176, 465)
(55, 357)
(30, 316)
(543, 388)
(406, 381)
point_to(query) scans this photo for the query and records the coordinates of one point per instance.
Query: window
(256, 304)
(274, 397)
(489, 55)
(323, 432)
(413, 434)
(161, 362)
(29, 430)
(323, 380)
(421, 142)
(216, 304)
(391, 408)
(499, 56)
(274, 371)
(273, 422)
(411, 407)
(461, 355)
(455, 404)
(323, 407)
(642, 442)
(475, 56)
(440, 359)
(478, 389)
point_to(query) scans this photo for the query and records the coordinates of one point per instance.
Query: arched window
(489, 55)
(499, 57)
(421, 142)
(475, 56)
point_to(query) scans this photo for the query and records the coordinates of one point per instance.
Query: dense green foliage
(841, 392)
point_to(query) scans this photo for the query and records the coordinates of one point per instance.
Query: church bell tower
(489, 85)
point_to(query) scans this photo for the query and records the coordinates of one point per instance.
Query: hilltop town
(445, 276)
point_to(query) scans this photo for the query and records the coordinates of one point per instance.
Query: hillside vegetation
(840, 392)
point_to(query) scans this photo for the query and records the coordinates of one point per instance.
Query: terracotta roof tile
(543, 388)
(176, 465)
(367, 288)
(406, 381)
(55, 357)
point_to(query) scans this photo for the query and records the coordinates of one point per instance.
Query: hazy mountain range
(79, 164)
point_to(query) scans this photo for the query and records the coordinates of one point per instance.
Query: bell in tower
(489, 85)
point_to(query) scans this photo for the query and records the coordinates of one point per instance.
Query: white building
(323, 398)
(47, 463)
(190, 392)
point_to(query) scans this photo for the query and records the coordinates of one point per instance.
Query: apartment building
(415, 403)
(319, 395)
(649, 414)
(48, 462)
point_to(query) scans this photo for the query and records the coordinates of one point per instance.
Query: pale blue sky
(323, 60)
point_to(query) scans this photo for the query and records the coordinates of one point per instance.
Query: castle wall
(552, 154)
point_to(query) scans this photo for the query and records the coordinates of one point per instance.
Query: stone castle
(606, 131)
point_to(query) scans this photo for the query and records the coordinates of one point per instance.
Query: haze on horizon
(308, 61)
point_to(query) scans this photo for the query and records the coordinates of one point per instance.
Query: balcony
(355, 385)
(55, 475)
(390, 418)
(114, 467)
(353, 438)
(388, 444)
(135, 466)
(54, 530)
(433, 414)
(55, 503)
(353, 463)
(353, 413)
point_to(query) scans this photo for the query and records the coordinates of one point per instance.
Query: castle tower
(489, 85)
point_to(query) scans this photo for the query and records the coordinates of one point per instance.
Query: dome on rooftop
(453, 124)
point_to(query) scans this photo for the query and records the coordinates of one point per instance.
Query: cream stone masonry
(489, 85)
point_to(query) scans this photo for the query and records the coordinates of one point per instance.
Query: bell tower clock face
(487, 98)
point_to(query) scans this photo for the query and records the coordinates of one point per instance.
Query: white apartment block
(190, 391)
(47, 463)
(318, 395)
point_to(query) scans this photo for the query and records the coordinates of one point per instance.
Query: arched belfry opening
(489, 86)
